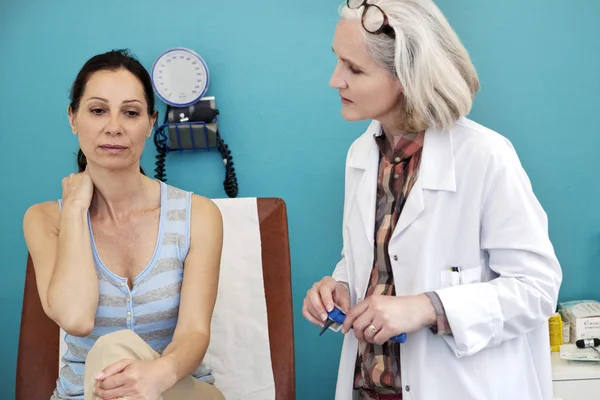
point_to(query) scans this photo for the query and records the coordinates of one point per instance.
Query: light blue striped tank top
(151, 308)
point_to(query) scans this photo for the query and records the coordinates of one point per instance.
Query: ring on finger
(372, 329)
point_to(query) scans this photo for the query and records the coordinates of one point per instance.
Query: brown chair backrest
(38, 356)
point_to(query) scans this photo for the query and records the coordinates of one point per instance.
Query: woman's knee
(121, 337)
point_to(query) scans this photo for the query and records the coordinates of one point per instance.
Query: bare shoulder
(206, 227)
(205, 213)
(42, 216)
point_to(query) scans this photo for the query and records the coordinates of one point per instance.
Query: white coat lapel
(435, 173)
(412, 209)
(364, 161)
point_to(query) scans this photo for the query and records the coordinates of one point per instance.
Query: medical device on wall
(181, 79)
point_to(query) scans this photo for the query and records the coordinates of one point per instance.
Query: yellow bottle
(555, 325)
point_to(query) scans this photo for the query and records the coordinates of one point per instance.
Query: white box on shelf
(583, 316)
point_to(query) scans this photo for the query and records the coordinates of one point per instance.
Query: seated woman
(126, 265)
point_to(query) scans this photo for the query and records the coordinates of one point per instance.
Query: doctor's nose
(337, 81)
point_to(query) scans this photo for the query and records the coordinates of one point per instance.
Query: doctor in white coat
(457, 255)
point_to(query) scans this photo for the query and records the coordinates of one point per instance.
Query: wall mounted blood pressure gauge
(180, 77)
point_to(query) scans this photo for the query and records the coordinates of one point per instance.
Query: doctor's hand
(321, 298)
(379, 318)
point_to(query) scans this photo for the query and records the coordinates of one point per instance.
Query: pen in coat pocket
(459, 272)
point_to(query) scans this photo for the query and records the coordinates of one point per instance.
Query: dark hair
(110, 61)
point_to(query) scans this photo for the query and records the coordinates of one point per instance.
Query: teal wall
(270, 61)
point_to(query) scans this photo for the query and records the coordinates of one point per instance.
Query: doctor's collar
(381, 133)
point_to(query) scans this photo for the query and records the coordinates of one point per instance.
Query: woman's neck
(395, 124)
(394, 130)
(117, 193)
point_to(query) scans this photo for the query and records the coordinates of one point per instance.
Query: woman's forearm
(74, 275)
(183, 356)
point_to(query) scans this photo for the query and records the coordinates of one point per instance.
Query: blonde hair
(436, 73)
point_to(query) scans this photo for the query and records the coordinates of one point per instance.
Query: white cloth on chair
(239, 352)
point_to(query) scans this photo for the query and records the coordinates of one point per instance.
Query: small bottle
(556, 332)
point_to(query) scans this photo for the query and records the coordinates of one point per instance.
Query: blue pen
(336, 316)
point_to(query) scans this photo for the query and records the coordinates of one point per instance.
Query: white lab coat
(473, 207)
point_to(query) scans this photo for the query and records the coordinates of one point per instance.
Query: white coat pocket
(450, 278)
